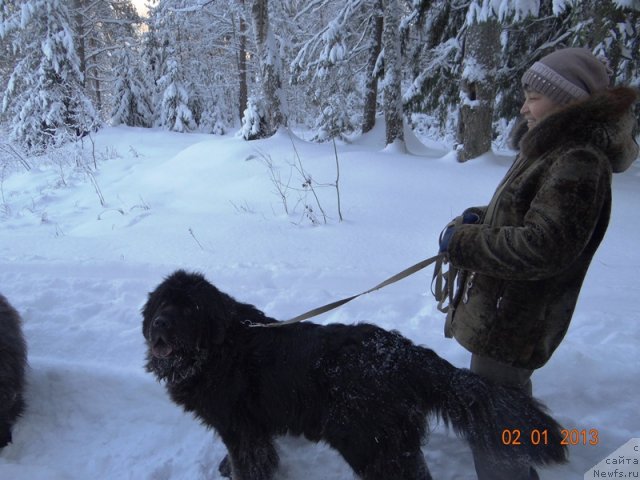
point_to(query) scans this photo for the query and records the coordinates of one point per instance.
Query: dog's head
(184, 318)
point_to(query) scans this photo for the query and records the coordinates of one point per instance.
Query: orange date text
(570, 437)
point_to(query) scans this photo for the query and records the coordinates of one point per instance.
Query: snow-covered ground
(79, 272)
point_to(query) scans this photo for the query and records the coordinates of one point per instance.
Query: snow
(79, 272)
(559, 6)
(482, 11)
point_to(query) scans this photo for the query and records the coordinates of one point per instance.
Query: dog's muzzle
(159, 337)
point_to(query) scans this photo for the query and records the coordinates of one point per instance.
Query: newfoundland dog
(365, 391)
(13, 362)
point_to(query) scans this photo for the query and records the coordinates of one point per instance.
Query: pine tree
(270, 89)
(200, 59)
(392, 92)
(133, 105)
(376, 24)
(528, 31)
(101, 28)
(7, 56)
(253, 119)
(171, 60)
(204, 39)
(434, 58)
(611, 30)
(340, 65)
(175, 113)
(608, 28)
(153, 57)
(45, 91)
(217, 115)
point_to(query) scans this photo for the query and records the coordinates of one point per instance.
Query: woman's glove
(469, 216)
(445, 237)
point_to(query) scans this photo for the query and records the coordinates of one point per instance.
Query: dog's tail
(504, 423)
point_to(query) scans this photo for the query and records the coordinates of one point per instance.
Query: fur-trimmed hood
(605, 121)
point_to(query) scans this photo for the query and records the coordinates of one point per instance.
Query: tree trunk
(242, 62)
(371, 85)
(478, 91)
(79, 39)
(392, 90)
(96, 80)
(269, 68)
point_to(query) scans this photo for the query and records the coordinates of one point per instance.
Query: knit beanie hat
(566, 75)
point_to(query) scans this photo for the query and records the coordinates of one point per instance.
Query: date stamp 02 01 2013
(622, 463)
(570, 437)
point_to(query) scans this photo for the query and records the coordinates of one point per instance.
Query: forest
(451, 68)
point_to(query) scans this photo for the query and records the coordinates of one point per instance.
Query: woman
(523, 258)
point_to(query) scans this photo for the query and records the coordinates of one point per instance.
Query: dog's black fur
(13, 363)
(363, 390)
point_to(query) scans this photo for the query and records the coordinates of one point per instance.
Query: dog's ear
(153, 303)
(162, 294)
(221, 317)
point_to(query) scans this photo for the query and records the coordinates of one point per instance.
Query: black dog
(13, 363)
(363, 390)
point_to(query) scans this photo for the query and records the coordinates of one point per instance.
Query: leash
(443, 283)
(437, 259)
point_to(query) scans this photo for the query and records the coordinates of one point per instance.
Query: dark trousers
(506, 375)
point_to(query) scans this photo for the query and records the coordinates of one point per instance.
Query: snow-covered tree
(101, 28)
(217, 114)
(175, 113)
(153, 57)
(391, 85)
(171, 58)
(434, 58)
(208, 43)
(612, 30)
(270, 81)
(376, 25)
(201, 60)
(253, 119)
(478, 88)
(338, 115)
(133, 105)
(340, 61)
(7, 57)
(522, 43)
(438, 50)
(45, 94)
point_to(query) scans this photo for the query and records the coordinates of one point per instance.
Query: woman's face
(536, 106)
